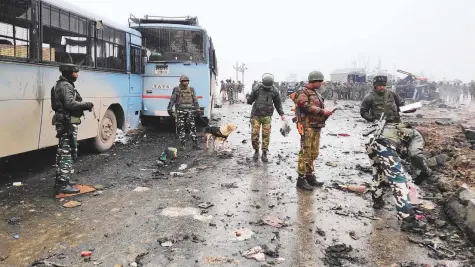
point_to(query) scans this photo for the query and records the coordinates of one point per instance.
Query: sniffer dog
(219, 134)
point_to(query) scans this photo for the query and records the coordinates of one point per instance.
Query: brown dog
(219, 134)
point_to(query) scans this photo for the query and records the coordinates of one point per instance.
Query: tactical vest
(62, 115)
(185, 98)
(385, 103)
(264, 104)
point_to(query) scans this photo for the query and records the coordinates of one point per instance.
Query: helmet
(380, 80)
(69, 68)
(267, 80)
(315, 76)
(184, 78)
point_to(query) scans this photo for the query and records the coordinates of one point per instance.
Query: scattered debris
(336, 254)
(72, 204)
(167, 244)
(177, 212)
(285, 128)
(46, 264)
(86, 253)
(229, 185)
(169, 155)
(141, 189)
(331, 164)
(182, 167)
(256, 253)
(241, 234)
(319, 231)
(13, 220)
(121, 137)
(205, 205)
(273, 221)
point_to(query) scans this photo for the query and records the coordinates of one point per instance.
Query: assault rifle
(379, 128)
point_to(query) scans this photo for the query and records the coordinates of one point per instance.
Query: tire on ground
(106, 132)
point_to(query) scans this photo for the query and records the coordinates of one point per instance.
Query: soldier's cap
(380, 80)
(69, 68)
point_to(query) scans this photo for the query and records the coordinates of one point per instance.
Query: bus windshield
(168, 44)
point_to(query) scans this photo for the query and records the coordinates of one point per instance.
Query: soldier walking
(68, 107)
(186, 104)
(385, 151)
(311, 114)
(263, 98)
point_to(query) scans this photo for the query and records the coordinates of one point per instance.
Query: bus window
(66, 38)
(135, 60)
(111, 49)
(173, 44)
(15, 26)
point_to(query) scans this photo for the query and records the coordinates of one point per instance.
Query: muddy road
(142, 216)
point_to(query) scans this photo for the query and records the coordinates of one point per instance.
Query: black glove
(171, 113)
(88, 106)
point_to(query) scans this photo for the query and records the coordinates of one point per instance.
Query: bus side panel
(20, 123)
(158, 88)
(20, 109)
(134, 102)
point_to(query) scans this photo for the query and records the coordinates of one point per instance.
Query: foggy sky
(435, 37)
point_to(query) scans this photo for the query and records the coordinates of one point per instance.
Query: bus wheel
(106, 133)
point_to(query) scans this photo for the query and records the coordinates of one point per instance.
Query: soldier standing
(263, 98)
(229, 89)
(223, 90)
(186, 104)
(68, 107)
(311, 114)
(384, 151)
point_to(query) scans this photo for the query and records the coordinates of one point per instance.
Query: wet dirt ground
(165, 226)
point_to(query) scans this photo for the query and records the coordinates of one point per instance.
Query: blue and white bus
(173, 47)
(36, 36)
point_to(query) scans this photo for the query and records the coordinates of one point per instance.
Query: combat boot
(312, 180)
(64, 188)
(264, 156)
(378, 204)
(413, 225)
(182, 146)
(195, 145)
(303, 184)
(256, 155)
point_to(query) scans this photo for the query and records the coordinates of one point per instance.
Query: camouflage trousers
(66, 152)
(186, 121)
(387, 166)
(256, 123)
(230, 96)
(309, 150)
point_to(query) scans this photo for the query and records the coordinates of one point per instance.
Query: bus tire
(106, 132)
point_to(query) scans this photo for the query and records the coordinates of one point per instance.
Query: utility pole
(243, 68)
(238, 69)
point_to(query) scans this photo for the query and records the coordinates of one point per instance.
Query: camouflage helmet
(380, 80)
(267, 80)
(68, 68)
(184, 78)
(315, 76)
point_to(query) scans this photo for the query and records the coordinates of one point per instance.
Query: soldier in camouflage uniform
(311, 114)
(264, 98)
(384, 151)
(186, 103)
(68, 107)
(230, 91)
